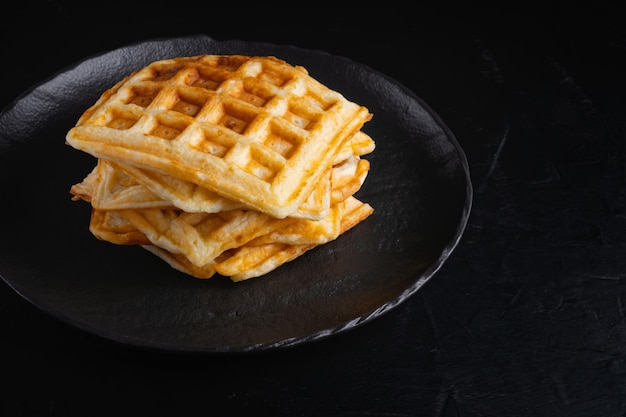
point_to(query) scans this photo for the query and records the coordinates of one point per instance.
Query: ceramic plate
(418, 184)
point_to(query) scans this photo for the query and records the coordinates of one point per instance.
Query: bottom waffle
(253, 258)
(202, 234)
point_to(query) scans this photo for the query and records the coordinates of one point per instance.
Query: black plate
(419, 186)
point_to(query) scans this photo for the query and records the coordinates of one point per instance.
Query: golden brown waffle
(115, 186)
(255, 130)
(109, 188)
(108, 225)
(202, 236)
(251, 259)
(196, 199)
(223, 164)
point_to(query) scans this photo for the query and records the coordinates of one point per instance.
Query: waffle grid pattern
(259, 123)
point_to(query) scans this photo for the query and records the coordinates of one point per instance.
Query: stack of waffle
(229, 165)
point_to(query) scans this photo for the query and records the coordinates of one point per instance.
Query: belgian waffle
(116, 186)
(255, 130)
(223, 164)
(251, 259)
(202, 236)
(193, 198)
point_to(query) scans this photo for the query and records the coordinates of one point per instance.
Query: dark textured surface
(527, 316)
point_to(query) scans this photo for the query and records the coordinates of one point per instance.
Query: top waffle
(253, 129)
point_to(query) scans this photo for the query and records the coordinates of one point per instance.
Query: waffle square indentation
(284, 142)
(142, 95)
(213, 142)
(168, 128)
(234, 116)
(188, 102)
(122, 119)
(261, 164)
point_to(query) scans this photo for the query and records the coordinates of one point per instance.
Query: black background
(527, 318)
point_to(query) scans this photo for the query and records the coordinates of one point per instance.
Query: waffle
(115, 186)
(251, 259)
(201, 235)
(192, 242)
(255, 130)
(229, 165)
(193, 198)
(108, 225)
